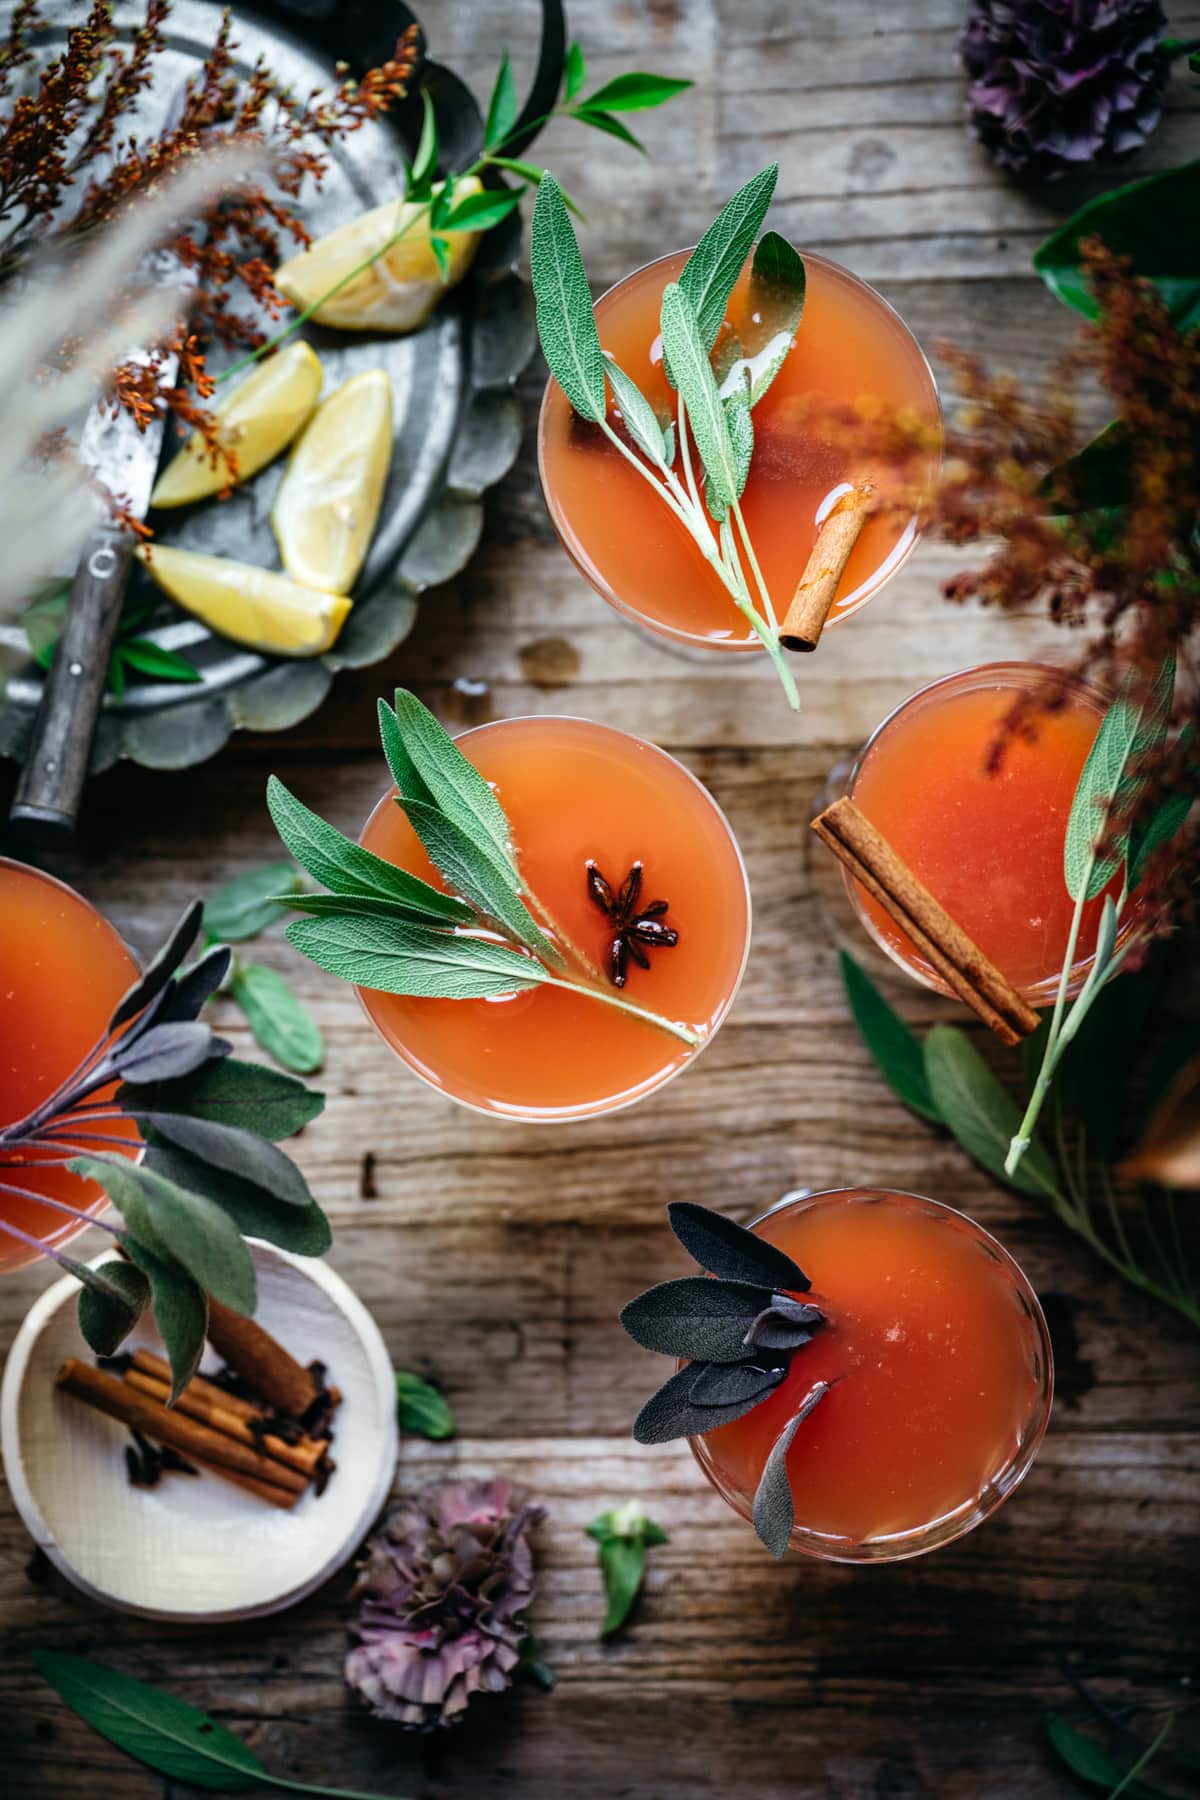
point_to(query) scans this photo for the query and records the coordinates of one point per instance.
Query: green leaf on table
(635, 91)
(279, 1020)
(981, 1113)
(502, 107)
(420, 1408)
(176, 1223)
(393, 957)
(574, 71)
(1144, 220)
(302, 1229)
(420, 178)
(238, 1152)
(231, 1092)
(180, 1310)
(693, 376)
(450, 780)
(776, 304)
(1092, 1763)
(480, 212)
(565, 320)
(609, 123)
(168, 1735)
(146, 657)
(243, 907)
(344, 866)
(641, 420)
(897, 1050)
(470, 870)
(623, 1534)
(711, 271)
(113, 1299)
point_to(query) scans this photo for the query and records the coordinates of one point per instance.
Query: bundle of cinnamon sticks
(266, 1426)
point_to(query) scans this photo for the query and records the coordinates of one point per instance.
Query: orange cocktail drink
(851, 352)
(62, 970)
(583, 797)
(979, 815)
(940, 1376)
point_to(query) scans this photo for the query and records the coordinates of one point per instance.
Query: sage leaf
(146, 657)
(623, 1566)
(1127, 731)
(452, 782)
(565, 320)
(669, 1413)
(636, 92)
(981, 1113)
(166, 1053)
(183, 1225)
(641, 421)
(361, 906)
(347, 868)
(278, 1018)
(693, 376)
(113, 1299)
(180, 1310)
(471, 871)
(784, 1325)
(156, 977)
(774, 1509)
(166, 1734)
(398, 958)
(729, 1250)
(232, 1092)
(1149, 835)
(627, 1520)
(695, 1317)
(726, 1384)
(304, 1230)
(741, 436)
(246, 905)
(237, 1151)
(420, 1408)
(1092, 1763)
(502, 107)
(190, 991)
(896, 1049)
(711, 271)
(776, 304)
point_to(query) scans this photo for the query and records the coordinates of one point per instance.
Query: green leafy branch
(713, 419)
(132, 654)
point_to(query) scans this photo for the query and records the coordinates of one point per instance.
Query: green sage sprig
(382, 928)
(713, 425)
(623, 1534)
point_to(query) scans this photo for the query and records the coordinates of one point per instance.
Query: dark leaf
(784, 1325)
(1096, 478)
(231, 1092)
(622, 1564)
(304, 1230)
(237, 1151)
(279, 1020)
(166, 1053)
(173, 1222)
(670, 1414)
(245, 906)
(695, 1317)
(202, 980)
(421, 1408)
(166, 1734)
(774, 1510)
(1149, 835)
(180, 1310)
(534, 1666)
(162, 968)
(1142, 221)
(113, 1299)
(1093, 1764)
(149, 658)
(728, 1384)
(981, 1113)
(896, 1049)
(727, 1249)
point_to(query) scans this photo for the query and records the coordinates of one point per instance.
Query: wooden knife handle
(56, 766)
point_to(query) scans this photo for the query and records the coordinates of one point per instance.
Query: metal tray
(458, 424)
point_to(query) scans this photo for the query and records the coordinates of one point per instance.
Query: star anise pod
(636, 928)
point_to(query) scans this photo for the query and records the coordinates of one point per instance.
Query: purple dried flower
(1058, 83)
(444, 1588)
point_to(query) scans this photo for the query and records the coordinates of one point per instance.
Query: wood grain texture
(495, 1256)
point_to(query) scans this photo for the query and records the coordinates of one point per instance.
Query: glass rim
(919, 1540)
(1038, 993)
(892, 564)
(596, 1109)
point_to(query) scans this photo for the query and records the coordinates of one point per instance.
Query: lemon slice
(399, 290)
(258, 420)
(328, 501)
(250, 605)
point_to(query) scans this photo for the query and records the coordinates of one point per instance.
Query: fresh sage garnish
(623, 1534)
(713, 417)
(242, 909)
(420, 1408)
(774, 1508)
(384, 929)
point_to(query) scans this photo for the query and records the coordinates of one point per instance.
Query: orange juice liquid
(988, 844)
(938, 1368)
(851, 349)
(573, 791)
(62, 970)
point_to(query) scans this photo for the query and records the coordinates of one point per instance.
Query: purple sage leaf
(784, 1325)
(233, 1149)
(670, 1413)
(191, 990)
(728, 1384)
(162, 968)
(774, 1509)
(727, 1249)
(695, 1317)
(166, 1052)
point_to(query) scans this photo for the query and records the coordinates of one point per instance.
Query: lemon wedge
(259, 419)
(328, 501)
(250, 605)
(399, 290)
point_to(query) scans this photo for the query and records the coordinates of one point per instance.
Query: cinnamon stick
(157, 1366)
(866, 853)
(813, 598)
(199, 1443)
(264, 1364)
(198, 1404)
(265, 1490)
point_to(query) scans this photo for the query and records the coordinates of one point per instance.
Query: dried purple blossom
(1058, 83)
(444, 1588)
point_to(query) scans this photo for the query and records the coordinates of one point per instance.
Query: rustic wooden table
(495, 1256)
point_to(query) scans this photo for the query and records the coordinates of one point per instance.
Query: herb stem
(685, 453)
(77, 1212)
(1024, 1135)
(748, 546)
(647, 475)
(557, 932)
(683, 1032)
(38, 1244)
(1131, 1774)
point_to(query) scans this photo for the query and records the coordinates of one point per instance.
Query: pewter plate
(458, 430)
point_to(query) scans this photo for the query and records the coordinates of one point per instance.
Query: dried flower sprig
(212, 1169)
(736, 1329)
